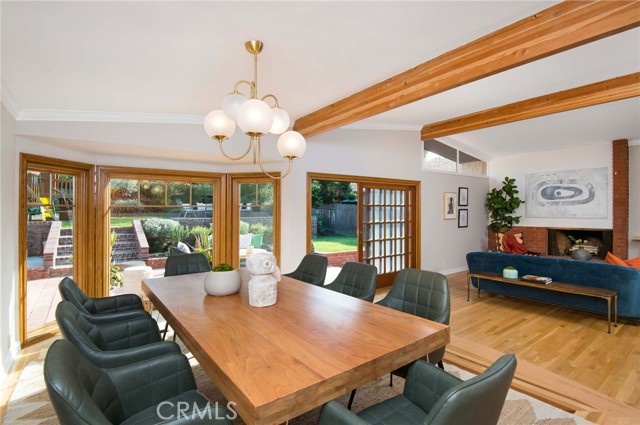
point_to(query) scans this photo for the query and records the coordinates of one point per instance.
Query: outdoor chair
(179, 264)
(357, 280)
(312, 269)
(117, 306)
(433, 396)
(423, 294)
(112, 344)
(153, 391)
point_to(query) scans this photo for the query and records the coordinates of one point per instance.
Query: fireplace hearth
(559, 243)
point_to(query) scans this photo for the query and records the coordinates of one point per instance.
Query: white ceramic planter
(222, 283)
(510, 273)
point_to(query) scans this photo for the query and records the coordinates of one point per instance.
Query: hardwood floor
(572, 344)
(565, 357)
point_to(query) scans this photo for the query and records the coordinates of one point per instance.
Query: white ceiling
(180, 58)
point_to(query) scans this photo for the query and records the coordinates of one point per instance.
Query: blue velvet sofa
(588, 273)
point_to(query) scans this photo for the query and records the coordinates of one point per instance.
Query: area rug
(29, 403)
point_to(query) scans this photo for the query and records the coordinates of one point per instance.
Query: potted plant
(510, 272)
(577, 250)
(222, 280)
(502, 204)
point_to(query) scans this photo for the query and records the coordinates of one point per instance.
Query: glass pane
(472, 165)
(178, 193)
(124, 191)
(256, 219)
(152, 192)
(439, 157)
(265, 194)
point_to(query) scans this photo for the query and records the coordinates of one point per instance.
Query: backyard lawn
(335, 243)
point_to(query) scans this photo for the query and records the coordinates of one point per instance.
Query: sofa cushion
(613, 259)
(634, 262)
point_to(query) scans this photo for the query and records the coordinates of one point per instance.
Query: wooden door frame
(379, 181)
(233, 199)
(106, 173)
(83, 229)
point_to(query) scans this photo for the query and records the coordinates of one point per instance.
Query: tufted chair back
(109, 343)
(312, 269)
(424, 294)
(357, 280)
(478, 400)
(180, 264)
(69, 291)
(83, 393)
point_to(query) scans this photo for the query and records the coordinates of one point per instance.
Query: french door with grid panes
(387, 231)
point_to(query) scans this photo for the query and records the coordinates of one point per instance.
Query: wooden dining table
(278, 362)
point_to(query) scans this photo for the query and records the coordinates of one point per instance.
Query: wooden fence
(338, 219)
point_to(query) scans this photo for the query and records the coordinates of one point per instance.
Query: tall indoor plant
(502, 204)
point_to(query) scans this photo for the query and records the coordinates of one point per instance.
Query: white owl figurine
(263, 285)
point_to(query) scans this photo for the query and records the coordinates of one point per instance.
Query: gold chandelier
(255, 118)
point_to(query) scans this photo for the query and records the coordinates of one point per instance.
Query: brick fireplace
(537, 238)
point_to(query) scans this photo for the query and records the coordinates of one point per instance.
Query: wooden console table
(607, 294)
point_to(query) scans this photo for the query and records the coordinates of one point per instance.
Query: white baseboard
(454, 270)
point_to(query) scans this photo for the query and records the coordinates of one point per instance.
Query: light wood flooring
(565, 357)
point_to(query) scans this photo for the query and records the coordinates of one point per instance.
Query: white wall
(8, 243)
(517, 166)
(634, 198)
(387, 154)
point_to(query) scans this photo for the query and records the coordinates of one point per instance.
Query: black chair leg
(391, 379)
(164, 332)
(441, 365)
(353, 395)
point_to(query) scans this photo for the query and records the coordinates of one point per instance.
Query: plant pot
(581, 254)
(220, 284)
(510, 273)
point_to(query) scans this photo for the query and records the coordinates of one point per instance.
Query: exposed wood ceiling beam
(592, 94)
(556, 29)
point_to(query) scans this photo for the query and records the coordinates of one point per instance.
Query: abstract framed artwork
(449, 211)
(568, 193)
(463, 217)
(463, 196)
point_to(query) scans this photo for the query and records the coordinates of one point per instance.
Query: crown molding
(115, 117)
(9, 101)
(383, 127)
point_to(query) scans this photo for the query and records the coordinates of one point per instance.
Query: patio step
(63, 260)
(126, 246)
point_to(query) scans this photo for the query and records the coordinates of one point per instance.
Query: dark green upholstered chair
(147, 392)
(357, 280)
(424, 294)
(312, 269)
(128, 305)
(179, 264)
(109, 343)
(432, 396)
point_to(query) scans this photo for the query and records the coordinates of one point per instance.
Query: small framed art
(463, 217)
(463, 196)
(449, 207)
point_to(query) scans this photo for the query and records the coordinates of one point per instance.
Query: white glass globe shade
(255, 117)
(218, 125)
(280, 121)
(232, 103)
(291, 144)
